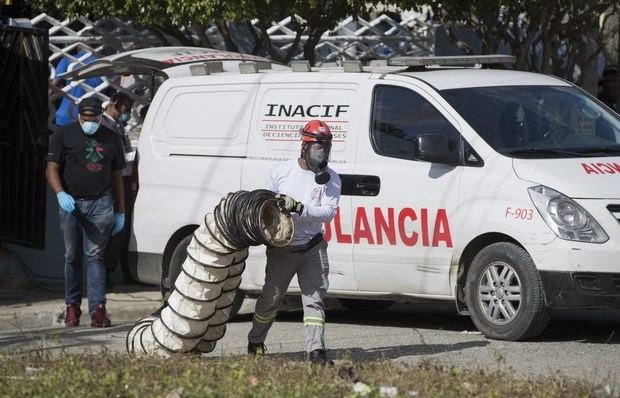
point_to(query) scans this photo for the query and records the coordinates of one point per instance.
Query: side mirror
(435, 148)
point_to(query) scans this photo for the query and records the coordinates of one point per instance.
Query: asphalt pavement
(577, 343)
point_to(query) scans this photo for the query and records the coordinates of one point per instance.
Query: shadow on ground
(596, 326)
(392, 352)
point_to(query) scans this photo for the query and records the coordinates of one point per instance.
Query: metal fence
(23, 135)
(352, 38)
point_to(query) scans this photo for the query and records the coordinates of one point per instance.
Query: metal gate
(24, 75)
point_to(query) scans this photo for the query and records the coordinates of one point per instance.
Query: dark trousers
(116, 249)
(86, 231)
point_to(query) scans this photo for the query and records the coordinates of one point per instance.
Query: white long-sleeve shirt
(320, 201)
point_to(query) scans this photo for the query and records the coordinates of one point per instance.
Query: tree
(549, 36)
(186, 21)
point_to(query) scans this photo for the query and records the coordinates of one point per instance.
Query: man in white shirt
(310, 190)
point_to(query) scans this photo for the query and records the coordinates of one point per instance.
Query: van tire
(531, 315)
(365, 305)
(176, 264)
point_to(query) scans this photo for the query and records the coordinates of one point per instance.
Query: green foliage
(185, 21)
(112, 375)
(558, 28)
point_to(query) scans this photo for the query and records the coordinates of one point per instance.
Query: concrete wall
(50, 261)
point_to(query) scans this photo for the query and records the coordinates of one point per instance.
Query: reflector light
(352, 66)
(206, 68)
(300, 66)
(248, 67)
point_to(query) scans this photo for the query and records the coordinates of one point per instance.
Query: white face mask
(90, 127)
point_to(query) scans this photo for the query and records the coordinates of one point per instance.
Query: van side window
(399, 116)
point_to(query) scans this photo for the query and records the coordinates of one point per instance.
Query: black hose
(238, 218)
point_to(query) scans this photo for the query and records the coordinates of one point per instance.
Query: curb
(121, 307)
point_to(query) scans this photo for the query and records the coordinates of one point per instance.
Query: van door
(402, 207)
(283, 108)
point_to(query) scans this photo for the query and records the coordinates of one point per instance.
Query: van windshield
(538, 121)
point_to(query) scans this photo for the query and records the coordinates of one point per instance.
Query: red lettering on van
(601, 168)
(441, 232)
(383, 225)
(588, 169)
(605, 167)
(424, 220)
(413, 238)
(362, 228)
(385, 228)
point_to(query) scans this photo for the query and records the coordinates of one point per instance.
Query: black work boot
(256, 349)
(319, 357)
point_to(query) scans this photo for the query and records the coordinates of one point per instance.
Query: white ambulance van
(496, 189)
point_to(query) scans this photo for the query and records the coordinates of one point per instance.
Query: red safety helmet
(316, 131)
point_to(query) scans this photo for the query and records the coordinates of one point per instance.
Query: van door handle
(367, 185)
(360, 185)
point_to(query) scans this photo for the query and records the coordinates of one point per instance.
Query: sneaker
(319, 357)
(99, 318)
(256, 349)
(72, 315)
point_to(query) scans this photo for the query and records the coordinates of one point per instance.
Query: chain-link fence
(81, 40)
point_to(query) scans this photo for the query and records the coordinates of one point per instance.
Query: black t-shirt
(86, 161)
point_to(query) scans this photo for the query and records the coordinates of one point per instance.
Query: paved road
(584, 343)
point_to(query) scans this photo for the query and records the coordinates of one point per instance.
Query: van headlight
(566, 217)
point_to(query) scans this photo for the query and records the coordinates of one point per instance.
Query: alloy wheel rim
(499, 293)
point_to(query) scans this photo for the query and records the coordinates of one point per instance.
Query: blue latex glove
(119, 223)
(66, 201)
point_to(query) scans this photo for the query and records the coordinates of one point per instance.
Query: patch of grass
(104, 374)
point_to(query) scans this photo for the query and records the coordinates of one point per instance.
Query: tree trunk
(225, 32)
(271, 50)
(174, 32)
(255, 37)
(298, 32)
(461, 45)
(199, 29)
(162, 38)
(309, 46)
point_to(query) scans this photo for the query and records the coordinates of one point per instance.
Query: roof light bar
(352, 66)
(300, 66)
(206, 68)
(452, 60)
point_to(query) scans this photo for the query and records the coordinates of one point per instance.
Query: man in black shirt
(84, 166)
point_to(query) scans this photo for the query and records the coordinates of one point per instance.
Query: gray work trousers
(312, 269)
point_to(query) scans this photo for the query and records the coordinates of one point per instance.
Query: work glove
(288, 204)
(66, 201)
(119, 223)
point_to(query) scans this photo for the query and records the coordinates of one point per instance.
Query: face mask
(316, 156)
(89, 127)
(123, 117)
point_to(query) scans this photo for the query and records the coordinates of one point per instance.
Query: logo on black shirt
(94, 153)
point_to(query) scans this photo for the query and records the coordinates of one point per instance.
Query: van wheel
(365, 305)
(176, 264)
(505, 294)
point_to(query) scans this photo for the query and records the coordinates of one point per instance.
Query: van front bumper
(565, 289)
